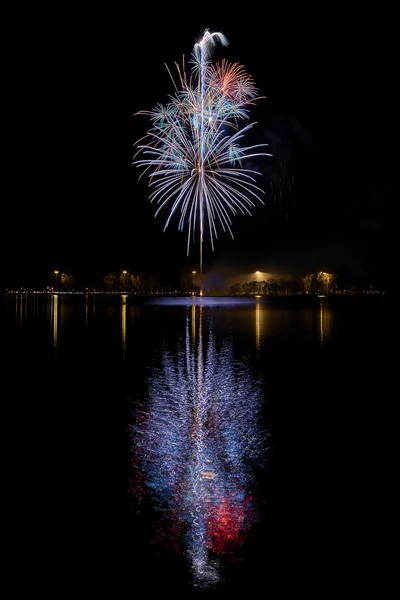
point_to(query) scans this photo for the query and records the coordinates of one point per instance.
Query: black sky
(74, 202)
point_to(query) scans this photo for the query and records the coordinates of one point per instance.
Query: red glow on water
(225, 526)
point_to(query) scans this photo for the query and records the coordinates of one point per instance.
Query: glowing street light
(193, 274)
(56, 274)
(124, 278)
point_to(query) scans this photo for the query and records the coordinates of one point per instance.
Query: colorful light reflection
(196, 443)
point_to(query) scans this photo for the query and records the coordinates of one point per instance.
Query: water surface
(183, 442)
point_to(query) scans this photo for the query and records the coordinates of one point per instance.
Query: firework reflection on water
(196, 443)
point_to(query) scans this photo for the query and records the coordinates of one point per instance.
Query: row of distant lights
(51, 291)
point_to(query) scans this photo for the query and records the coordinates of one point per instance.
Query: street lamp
(124, 278)
(193, 274)
(56, 274)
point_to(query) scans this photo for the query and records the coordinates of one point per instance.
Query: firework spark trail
(197, 442)
(193, 140)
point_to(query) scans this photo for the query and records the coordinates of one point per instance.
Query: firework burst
(194, 154)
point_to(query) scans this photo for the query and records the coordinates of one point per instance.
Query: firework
(194, 154)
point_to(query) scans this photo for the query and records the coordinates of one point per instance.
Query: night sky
(75, 204)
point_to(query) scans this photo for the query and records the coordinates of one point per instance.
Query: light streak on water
(325, 322)
(258, 326)
(196, 443)
(123, 330)
(193, 320)
(55, 321)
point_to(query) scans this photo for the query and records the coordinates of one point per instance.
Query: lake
(193, 445)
